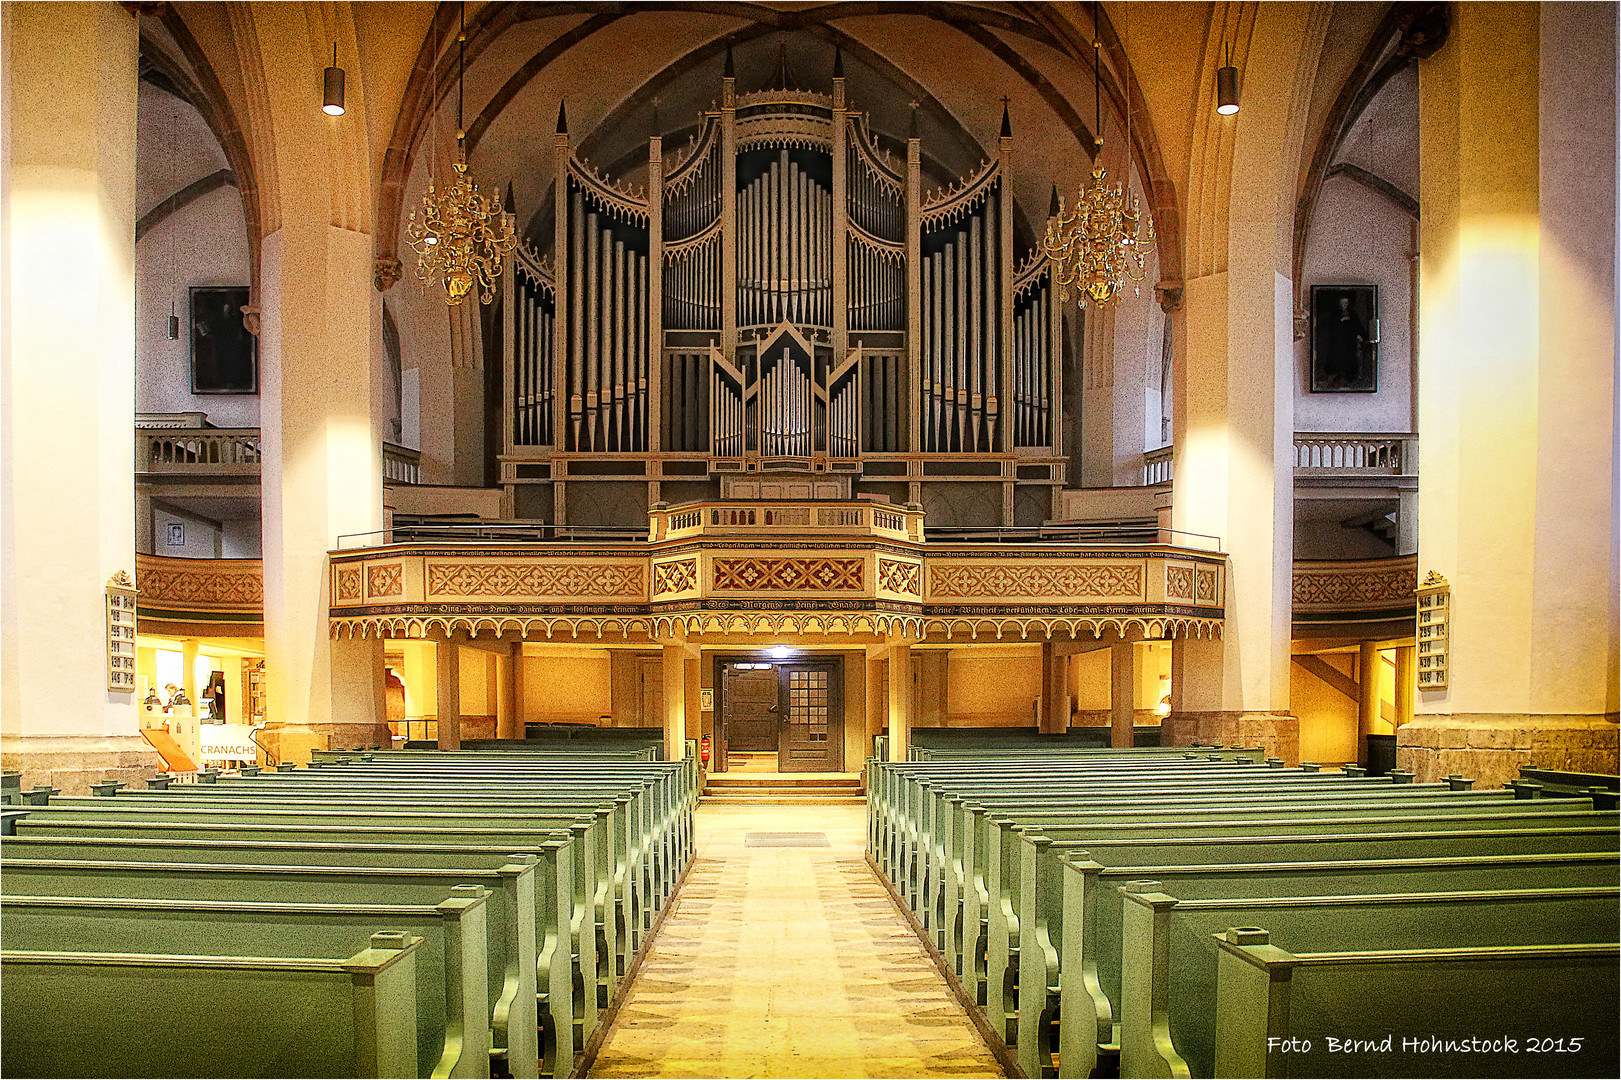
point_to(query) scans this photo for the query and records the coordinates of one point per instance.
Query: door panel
(812, 733)
(750, 702)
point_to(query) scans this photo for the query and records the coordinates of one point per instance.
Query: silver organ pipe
(784, 248)
(1032, 373)
(532, 358)
(983, 363)
(607, 367)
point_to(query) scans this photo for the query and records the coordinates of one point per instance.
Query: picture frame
(224, 356)
(1344, 339)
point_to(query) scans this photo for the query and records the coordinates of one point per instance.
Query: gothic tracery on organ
(783, 294)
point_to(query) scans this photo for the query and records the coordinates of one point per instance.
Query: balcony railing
(176, 444)
(1354, 453)
(1157, 466)
(198, 452)
(739, 518)
(401, 464)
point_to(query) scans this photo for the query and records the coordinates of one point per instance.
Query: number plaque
(1434, 615)
(121, 634)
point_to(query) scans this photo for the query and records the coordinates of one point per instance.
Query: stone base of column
(1490, 748)
(1277, 734)
(294, 742)
(74, 762)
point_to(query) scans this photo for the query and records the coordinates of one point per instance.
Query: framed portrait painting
(1344, 339)
(224, 356)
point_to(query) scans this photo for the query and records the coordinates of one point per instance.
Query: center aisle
(787, 960)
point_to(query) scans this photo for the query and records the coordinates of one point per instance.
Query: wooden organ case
(783, 310)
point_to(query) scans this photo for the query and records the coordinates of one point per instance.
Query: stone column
(1233, 394)
(1406, 676)
(509, 693)
(1517, 151)
(1054, 689)
(321, 476)
(1367, 702)
(877, 681)
(67, 361)
(448, 680)
(900, 699)
(1122, 695)
(675, 700)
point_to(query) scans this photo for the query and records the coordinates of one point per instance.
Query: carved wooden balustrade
(839, 569)
(200, 597)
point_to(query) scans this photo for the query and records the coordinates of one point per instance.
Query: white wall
(205, 243)
(1358, 236)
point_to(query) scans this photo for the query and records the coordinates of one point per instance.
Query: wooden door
(750, 709)
(811, 737)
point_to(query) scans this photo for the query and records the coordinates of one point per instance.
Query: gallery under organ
(782, 301)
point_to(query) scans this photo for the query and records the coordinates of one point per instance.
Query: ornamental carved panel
(209, 583)
(348, 584)
(386, 580)
(674, 577)
(1205, 591)
(1179, 583)
(505, 579)
(996, 582)
(900, 577)
(789, 575)
(1353, 585)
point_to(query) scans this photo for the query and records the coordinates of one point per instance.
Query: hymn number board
(121, 634)
(1434, 612)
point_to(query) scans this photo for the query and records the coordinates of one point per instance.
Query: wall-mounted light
(174, 323)
(332, 87)
(1227, 86)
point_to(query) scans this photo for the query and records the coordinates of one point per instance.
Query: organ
(783, 298)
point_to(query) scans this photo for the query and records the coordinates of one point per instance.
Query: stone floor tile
(788, 962)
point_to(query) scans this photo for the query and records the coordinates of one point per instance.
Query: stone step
(780, 798)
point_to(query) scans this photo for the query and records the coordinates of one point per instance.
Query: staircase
(757, 788)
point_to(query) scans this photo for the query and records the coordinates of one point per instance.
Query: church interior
(770, 403)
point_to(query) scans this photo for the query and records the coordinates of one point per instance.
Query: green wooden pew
(135, 1014)
(453, 1037)
(1168, 980)
(636, 892)
(1082, 959)
(566, 931)
(1038, 916)
(558, 975)
(924, 862)
(1483, 1011)
(516, 1030)
(980, 858)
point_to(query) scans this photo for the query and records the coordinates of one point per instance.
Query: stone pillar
(509, 692)
(1122, 695)
(321, 443)
(1054, 690)
(448, 680)
(67, 362)
(1234, 392)
(1406, 677)
(675, 700)
(877, 681)
(1517, 158)
(932, 668)
(900, 700)
(1367, 702)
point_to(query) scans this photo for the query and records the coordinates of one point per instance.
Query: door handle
(775, 708)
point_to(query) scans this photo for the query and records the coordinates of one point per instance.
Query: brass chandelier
(1102, 242)
(463, 235)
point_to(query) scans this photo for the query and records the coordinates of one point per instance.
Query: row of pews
(394, 913)
(1174, 913)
